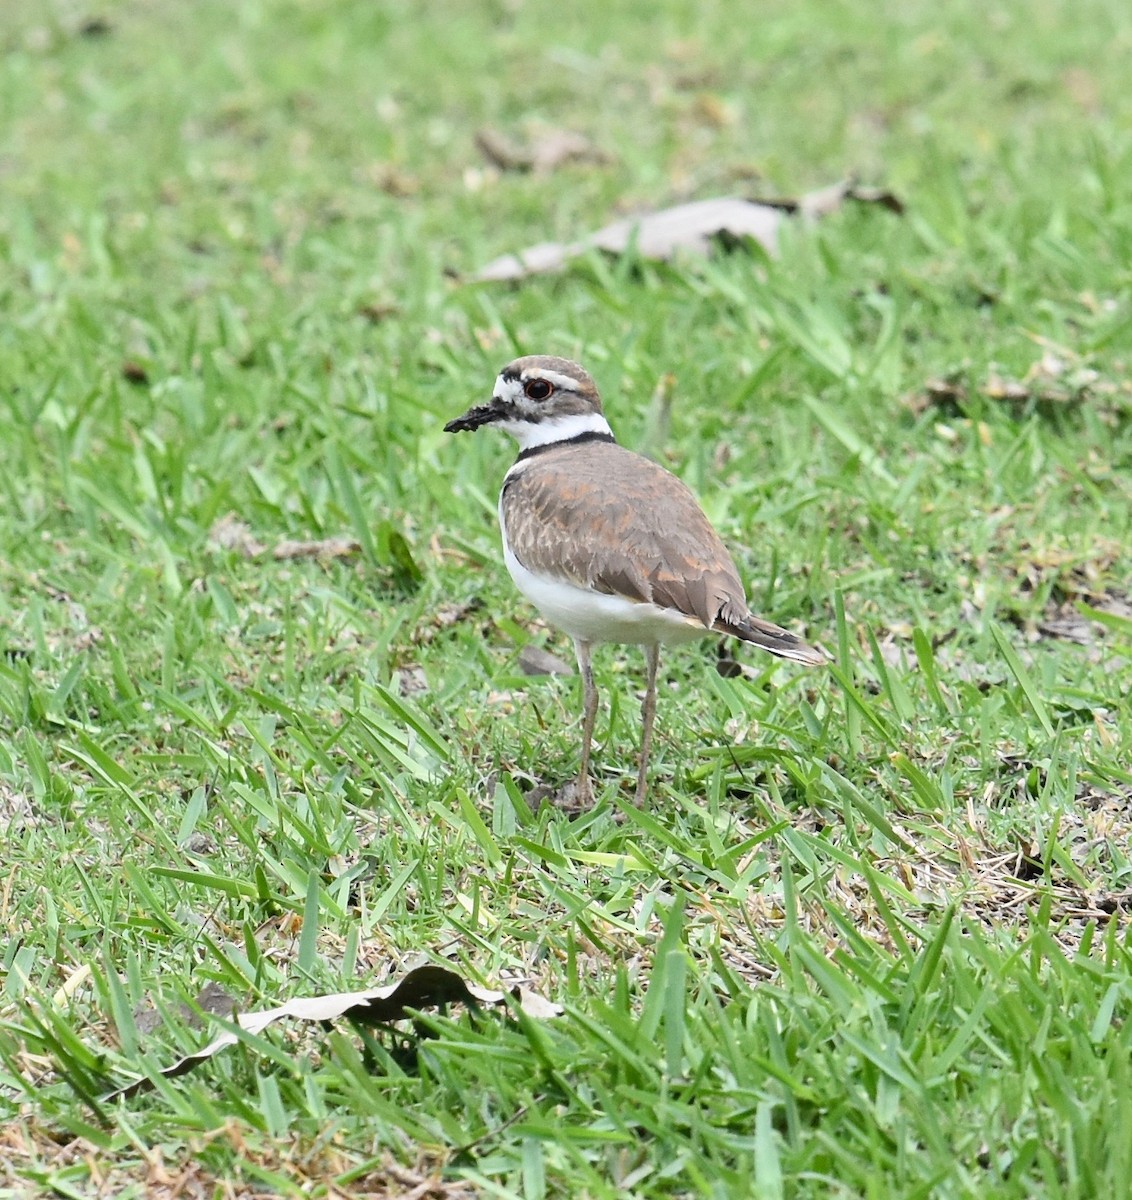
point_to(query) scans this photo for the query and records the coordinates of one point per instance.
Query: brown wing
(603, 517)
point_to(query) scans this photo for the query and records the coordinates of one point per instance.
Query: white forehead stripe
(506, 387)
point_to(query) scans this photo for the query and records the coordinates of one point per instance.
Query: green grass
(870, 938)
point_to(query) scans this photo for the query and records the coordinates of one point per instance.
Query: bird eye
(537, 389)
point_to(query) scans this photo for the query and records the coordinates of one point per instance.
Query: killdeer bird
(607, 545)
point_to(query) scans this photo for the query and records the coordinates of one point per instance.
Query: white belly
(596, 617)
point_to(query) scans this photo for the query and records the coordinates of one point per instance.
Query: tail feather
(774, 638)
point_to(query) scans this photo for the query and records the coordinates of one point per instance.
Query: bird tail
(774, 638)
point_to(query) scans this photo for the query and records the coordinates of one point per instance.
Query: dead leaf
(376, 311)
(17, 809)
(230, 533)
(445, 617)
(199, 843)
(828, 200)
(134, 372)
(997, 388)
(656, 235)
(393, 181)
(95, 27)
(1066, 625)
(212, 998)
(502, 151)
(534, 660)
(335, 547)
(89, 637)
(554, 148)
(1048, 381)
(297, 1165)
(410, 680)
(691, 227)
(1115, 902)
(542, 150)
(423, 987)
(1027, 863)
(1064, 620)
(713, 111)
(535, 260)
(561, 797)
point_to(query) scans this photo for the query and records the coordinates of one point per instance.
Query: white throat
(555, 429)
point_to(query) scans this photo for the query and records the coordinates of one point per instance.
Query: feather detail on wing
(602, 517)
(774, 638)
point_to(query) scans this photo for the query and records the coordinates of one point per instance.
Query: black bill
(481, 414)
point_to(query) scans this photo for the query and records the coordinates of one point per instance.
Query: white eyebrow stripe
(566, 383)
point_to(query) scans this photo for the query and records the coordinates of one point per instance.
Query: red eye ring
(537, 389)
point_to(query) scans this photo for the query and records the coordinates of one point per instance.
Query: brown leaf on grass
(656, 235)
(133, 371)
(542, 150)
(1082, 589)
(376, 311)
(230, 533)
(713, 111)
(35, 1149)
(945, 392)
(410, 1185)
(563, 797)
(534, 660)
(17, 809)
(95, 27)
(827, 200)
(996, 387)
(335, 547)
(212, 998)
(1049, 381)
(90, 636)
(423, 987)
(410, 680)
(393, 181)
(1064, 619)
(445, 617)
(503, 151)
(692, 227)
(1027, 864)
(1067, 627)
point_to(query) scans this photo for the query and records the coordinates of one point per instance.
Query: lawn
(264, 728)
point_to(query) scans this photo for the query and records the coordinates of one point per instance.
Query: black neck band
(579, 439)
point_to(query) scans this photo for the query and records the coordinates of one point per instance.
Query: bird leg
(648, 713)
(582, 794)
